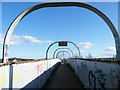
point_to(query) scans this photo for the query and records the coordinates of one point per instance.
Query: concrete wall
(4, 77)
(95, 74)
(27, 75)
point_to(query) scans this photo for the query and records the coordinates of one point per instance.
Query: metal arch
(62, 48)
(62, 51)
(59, 4)
(63, 41)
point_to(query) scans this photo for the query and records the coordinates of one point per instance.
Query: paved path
(63, 77)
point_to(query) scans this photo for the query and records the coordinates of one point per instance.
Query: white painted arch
(58, 4)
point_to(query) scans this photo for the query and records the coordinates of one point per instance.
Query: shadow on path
(63, 77)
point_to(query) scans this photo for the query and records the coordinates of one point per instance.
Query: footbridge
(64, 69)
(60, 71)
(57, 73)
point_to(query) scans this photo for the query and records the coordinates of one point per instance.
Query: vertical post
(10, 76)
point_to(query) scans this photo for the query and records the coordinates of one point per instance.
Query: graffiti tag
(92, 80)
(39, 68)
(101, 77)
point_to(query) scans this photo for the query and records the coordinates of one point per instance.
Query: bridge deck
(63, 77)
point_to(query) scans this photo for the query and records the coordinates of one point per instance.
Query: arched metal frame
(62, 41)
(58, 4)
(60, 52)
(62, 48)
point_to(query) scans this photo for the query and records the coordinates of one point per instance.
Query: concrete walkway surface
(63, 77)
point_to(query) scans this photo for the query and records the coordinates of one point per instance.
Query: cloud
(110, 49)
(86, 44)
(31, 39)
(16, 39)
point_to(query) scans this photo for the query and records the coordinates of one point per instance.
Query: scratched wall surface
(96, 74)
(24, 74)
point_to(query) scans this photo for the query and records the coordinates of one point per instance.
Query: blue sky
(40, 28)
(59, 0)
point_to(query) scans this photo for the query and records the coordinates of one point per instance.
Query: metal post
(10, 77)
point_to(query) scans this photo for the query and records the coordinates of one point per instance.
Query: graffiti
(101, 77)
(92, 80)
(2, 79)
(114, 77)
(39, 68)
(17, 77)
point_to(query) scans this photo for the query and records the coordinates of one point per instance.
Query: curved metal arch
(60, 52)
(59, 4)
(62, 41)
(62, 48)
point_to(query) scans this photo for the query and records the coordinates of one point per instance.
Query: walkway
(63, 77)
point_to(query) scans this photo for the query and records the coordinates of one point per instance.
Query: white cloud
(110, 49)
(108, 52)
(86, 44)
(16, 39)
(15, 42)
(30, 39)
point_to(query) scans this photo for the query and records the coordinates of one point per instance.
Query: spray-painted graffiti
(2, 79)
(114, 77)
(101, 77)
(39, 68)
(92, 80)
(17, 78)
(97, 78)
